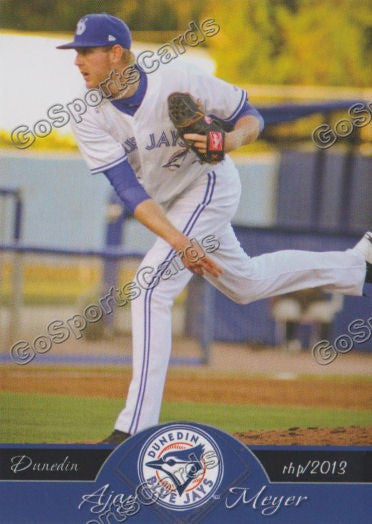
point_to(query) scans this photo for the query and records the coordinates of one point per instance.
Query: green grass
(59, 418)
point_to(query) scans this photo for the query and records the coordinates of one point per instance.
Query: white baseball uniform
(199, 199)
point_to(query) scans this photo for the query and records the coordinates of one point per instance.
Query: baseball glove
(188, 117)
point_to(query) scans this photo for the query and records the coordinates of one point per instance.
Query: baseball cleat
(116, 437)
(369, 274)
(364, 246)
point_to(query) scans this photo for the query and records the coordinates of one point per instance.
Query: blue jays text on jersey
(168, 138)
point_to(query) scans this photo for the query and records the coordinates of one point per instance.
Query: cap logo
(111, 38)
(81, 26)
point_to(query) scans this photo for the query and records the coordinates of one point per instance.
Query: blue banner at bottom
(186, 473)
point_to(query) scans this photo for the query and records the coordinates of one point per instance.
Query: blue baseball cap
(98, 30)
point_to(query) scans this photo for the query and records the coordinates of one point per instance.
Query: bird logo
(176, 160)
(181, 467)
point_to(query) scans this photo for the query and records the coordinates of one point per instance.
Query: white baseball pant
(206, 208)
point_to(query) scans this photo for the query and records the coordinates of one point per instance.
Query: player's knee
(246, 293)
(153, 294)
(241, 298)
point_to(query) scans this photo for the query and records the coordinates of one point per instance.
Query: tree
(282, 42)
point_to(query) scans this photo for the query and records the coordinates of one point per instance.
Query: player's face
(95, 64)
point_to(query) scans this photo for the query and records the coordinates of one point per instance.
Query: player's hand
(200, 141)
(195, 258)
(202, 266)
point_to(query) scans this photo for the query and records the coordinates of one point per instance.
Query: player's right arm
(149, 213)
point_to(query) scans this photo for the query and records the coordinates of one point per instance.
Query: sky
(35, 75)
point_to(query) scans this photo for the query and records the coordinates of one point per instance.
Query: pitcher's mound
(341, 436)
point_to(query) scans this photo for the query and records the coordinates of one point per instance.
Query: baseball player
(130, 137)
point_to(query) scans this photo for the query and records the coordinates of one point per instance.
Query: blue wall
(333, 192)
(65, 206)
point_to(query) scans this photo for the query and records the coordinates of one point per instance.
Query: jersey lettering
(130, 145)
(174, 137)
(165, 138)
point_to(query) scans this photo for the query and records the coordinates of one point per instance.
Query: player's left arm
(229, 105)
(246, 130)
(247, 125)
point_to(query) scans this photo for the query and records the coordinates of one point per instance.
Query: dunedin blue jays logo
(183, 465)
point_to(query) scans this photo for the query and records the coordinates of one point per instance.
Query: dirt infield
(205, 386)
(349, 436)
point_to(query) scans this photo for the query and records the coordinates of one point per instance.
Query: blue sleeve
(248, 109)
(123, 179)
